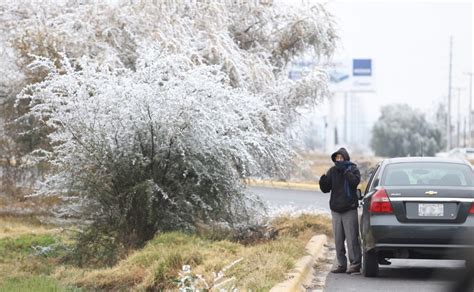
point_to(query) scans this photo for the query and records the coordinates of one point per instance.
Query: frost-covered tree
(159, 135)
(156, 148)
(402, 131)
(251, 42)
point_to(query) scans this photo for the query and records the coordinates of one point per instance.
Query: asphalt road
(402, 275)
(282, 199)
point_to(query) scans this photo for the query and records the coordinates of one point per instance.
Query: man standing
(342, 180)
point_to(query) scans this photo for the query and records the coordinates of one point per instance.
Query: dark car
(417, 207)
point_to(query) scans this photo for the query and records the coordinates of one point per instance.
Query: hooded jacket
(342, 183)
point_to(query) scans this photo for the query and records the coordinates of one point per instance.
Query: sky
(408, 43)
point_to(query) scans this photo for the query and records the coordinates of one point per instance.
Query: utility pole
(448, 118)
(457, 141)
(464, 144)
(469, 116)
(458, 119)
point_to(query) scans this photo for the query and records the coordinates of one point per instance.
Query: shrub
(165, 143)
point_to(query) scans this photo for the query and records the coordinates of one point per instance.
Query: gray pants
(345, 227)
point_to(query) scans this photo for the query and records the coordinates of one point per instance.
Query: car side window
(372, 183)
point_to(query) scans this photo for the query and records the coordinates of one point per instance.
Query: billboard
(344, 75)
(362, 67)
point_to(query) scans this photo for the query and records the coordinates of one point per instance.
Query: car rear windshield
(427, 173)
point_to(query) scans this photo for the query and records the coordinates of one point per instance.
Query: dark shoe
(339, 270)
(384, 261)
(353, 269)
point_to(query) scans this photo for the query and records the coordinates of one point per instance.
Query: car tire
(370, 265)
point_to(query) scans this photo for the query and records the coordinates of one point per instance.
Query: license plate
(431, 210)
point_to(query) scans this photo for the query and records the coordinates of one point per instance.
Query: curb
(282, 185)
(296, 277)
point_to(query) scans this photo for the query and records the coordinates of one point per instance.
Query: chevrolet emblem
(431, 193)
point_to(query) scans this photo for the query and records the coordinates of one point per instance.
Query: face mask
(339, 164)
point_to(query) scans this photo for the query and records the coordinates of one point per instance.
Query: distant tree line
(403, 131)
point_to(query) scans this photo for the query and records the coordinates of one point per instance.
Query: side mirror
(376, 182)
(359, 194)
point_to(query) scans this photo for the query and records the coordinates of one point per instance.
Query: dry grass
(304, 226)
(158, 264)
(310, 166)
(20, 268)
(14, 227)
(319, 164)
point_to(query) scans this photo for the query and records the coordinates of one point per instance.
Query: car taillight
(380, 203)
(471, 211)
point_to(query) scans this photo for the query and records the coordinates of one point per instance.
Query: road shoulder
(303, 267)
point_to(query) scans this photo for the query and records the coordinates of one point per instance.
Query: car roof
(426, 159)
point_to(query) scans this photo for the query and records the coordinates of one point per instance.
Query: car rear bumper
(420, 240)
(425, 251)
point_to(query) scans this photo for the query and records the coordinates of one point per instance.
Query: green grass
(157, 266)
(23, 245)
(34, 283)
(21, 269)
(261, 264)
(18, 258)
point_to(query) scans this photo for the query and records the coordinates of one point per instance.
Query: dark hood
(344, 154)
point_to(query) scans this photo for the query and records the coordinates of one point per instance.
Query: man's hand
(324, 183)
(324, 179)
